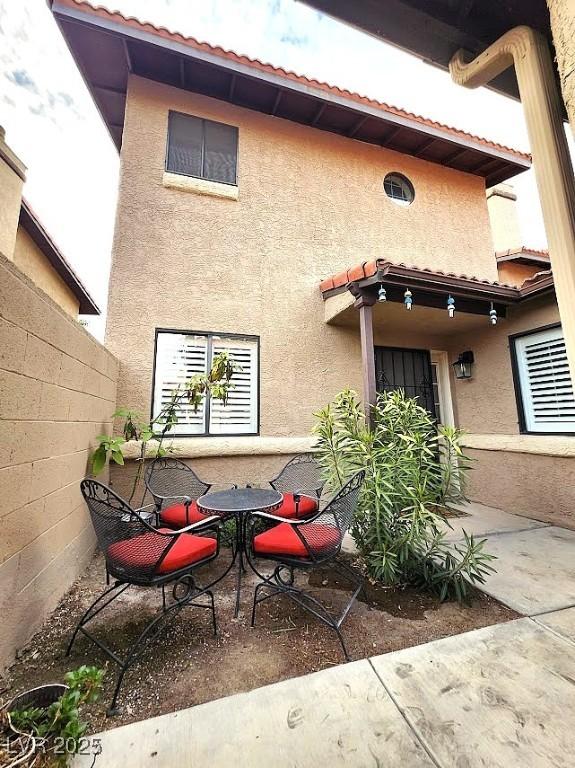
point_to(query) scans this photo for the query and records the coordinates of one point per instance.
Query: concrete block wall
(57, 393)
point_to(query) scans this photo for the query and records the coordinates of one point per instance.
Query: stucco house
(327, 241)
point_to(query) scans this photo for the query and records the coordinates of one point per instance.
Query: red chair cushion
(175, 516)
(143, 551)
(283, 540)
(306, 507)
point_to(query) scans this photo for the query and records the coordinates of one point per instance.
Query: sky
(52, 123)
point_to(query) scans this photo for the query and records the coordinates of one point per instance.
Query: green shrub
(415, 472)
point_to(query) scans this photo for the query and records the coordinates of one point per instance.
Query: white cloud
(52, 124)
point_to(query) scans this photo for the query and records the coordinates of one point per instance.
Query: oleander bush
(415, 476)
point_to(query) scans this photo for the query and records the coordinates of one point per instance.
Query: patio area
(494, 696)
(188, 666)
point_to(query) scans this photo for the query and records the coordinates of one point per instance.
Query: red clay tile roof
(369, 268)
(523, 250)
(256, 64)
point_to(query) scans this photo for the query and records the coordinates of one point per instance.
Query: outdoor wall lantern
(462, 366)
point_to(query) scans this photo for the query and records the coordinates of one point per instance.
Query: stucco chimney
(12, 177)
(502, 206)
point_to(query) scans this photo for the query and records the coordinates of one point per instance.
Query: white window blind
(179, 356)
(239, 415)
(545, 382)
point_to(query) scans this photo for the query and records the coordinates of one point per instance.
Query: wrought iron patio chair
(139, 555)
(301, 483)
(305, 544)
(175, 488)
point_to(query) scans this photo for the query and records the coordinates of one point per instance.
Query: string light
(450, 305)
(493, 315)
(381, 294)
(407, 299)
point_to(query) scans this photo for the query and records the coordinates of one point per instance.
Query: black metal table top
(240, 500)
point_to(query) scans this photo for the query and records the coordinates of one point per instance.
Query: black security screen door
(407, 369)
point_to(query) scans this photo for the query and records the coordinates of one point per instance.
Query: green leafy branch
(217, 383)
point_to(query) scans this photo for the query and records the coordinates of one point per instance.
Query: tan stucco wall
(512, 273)
(57, 392)
(30, 259)
(310, 204)
(503, 217)
(562, 13)
(11, 183)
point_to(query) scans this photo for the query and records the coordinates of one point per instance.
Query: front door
(407, 369)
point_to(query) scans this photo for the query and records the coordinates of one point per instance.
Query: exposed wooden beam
(108, 89)
(318, 114)
(464, 10)
(453, 156)
(277, 100)
(388, 138)
(485, 163)
(182, 72)
(424, 146)
(355, 128)
(128, 55)
(232, 87)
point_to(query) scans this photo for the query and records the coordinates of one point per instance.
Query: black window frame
(203, 121)
(210, 335)
(522, 422)
(401, 201)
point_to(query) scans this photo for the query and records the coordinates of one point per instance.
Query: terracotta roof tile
(287, 74)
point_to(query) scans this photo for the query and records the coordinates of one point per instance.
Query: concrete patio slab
(535, 569)
(480, 520)
(339, 717)
(560, 622)
(495, 697)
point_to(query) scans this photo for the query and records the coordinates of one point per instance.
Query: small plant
(217, 382)
(414, 472)
(57, 729)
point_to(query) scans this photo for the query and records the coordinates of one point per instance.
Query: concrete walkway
(501, 696)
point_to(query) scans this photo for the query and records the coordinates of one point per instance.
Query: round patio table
(237, 503)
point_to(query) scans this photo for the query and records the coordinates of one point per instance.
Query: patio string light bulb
(382, 294)
(493, 315)
(407, 299)
(450, 306)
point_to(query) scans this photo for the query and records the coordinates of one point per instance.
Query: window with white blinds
(181, 355)
(544, 382)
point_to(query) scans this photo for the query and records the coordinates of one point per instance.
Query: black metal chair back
(167, 478)
(116, 523)
(338, 513)
(302, 474)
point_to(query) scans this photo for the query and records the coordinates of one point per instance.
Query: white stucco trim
(209, 447)
(543, 445)
(200, 186)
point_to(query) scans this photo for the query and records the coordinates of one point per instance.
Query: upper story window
(180, 355)
(399, 189)
(202, 148)
(543, 383)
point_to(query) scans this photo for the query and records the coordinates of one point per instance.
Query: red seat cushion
(143, 551)
(175, 516)
(306, 507)
(283, 540)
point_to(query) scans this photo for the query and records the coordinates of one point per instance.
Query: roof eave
(502, 164)
(30, 222)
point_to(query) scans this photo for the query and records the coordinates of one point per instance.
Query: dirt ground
(187, 665)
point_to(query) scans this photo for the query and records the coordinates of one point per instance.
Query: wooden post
(365, 306)
(528, 51)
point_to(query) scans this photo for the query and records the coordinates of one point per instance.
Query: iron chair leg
(166, 614)
(276, 585)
